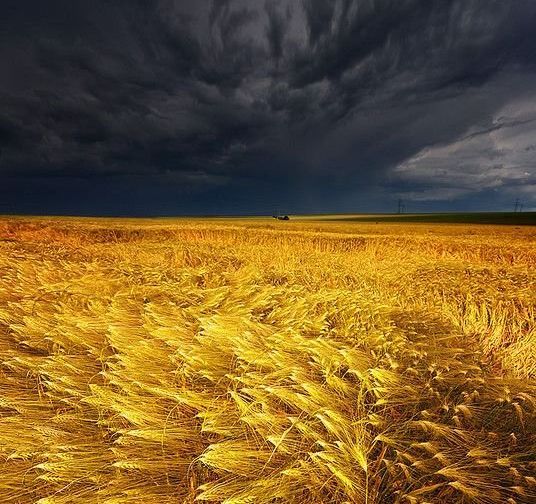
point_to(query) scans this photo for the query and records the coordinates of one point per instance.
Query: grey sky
(241, 106)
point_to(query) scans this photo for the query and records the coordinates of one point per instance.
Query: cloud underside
(498, 158)
(280, 100)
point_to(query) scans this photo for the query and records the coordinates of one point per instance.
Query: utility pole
(400, 206)
(516, 207)
(521, 207)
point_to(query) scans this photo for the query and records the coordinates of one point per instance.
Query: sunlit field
(255, 361)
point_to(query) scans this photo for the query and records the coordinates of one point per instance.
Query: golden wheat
(245, 361)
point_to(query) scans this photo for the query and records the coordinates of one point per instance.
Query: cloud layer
(243, 105)
(498, 158)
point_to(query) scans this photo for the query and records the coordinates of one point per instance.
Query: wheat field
(251, 361)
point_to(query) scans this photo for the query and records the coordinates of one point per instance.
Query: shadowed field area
(505, 218)
(258, 361)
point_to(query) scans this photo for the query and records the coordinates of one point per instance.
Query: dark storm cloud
(243, 105)
(277, 26)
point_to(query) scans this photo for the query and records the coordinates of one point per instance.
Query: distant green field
(510, 218)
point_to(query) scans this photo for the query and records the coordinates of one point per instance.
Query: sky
(183, 107)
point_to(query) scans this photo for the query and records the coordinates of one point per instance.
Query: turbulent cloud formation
(229, 106)
(498, 158)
